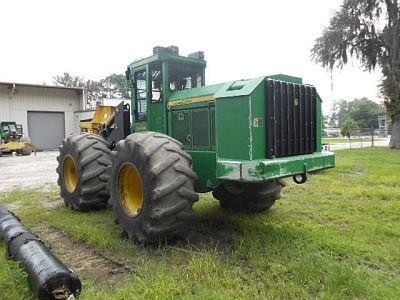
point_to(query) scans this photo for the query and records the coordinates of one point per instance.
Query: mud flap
(48, 277)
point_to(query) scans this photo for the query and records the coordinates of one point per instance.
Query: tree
(113, 86)
(116, 86)
(94, 92)
(365, 112)
(369, 31)
(339, 112)
(348, 127)
(93, 88)
(68, 80)
(325, 121)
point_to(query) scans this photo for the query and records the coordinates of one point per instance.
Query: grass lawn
(335, 237)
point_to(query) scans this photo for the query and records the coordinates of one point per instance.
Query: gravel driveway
(28, 171)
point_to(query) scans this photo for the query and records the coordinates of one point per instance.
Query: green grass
(335, 237)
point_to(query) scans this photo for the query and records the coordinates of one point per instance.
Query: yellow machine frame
(16, 145)
(102, 116)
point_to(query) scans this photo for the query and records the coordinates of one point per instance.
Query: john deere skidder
(12, 139)
(237, 139)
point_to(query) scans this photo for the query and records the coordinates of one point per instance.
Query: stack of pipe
(48, 276)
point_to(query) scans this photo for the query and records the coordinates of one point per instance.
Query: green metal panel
(212, 127)
(196, 92)
(157, 112)
(192, 105)
(258, 170)
(158, 118)
(204, 164)
(240, 120)
(137, 127)
(181, 127)
(222, 90)
(232, 127)
(257, 122)
(239, 88)
(201, 129)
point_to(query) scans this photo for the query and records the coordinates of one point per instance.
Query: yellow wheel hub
(130, 189)
(70, 174)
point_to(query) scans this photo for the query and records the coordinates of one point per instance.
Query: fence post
(372, 137)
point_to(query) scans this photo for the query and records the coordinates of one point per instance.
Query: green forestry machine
(12, 139)
(237, 139)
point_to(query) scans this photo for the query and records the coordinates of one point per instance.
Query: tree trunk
(395, 137)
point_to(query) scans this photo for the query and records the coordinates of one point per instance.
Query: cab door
(157, 98)
(140, 96)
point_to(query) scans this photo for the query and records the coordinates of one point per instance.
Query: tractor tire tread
(248, 197)
(168, 192)
(91, 155)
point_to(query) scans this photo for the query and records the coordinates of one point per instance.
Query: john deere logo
(296, 102)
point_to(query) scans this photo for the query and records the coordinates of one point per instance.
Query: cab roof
(165, 56)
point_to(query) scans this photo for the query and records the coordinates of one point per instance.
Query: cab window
(185, 77)
(140, 96)
(156, 82)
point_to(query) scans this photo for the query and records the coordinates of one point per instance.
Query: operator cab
(154, 79)
(10, 131)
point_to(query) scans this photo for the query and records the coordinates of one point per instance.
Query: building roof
(42, 86)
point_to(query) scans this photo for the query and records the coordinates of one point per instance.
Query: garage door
(46, 129)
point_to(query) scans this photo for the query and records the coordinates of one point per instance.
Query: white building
(45, 112)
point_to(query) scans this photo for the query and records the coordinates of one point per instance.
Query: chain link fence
(359, 138)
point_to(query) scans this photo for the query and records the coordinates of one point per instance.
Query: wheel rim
(130, 189)
(70, 174)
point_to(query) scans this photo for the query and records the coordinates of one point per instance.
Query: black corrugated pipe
(48, 276)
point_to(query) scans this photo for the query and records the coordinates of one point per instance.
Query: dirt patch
(206, 234)
(14, 206)
(83, 259)
(49, 205)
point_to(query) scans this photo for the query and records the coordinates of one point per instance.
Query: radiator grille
(291, 116)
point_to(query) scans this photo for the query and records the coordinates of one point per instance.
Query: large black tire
(248, 197)
(26, 151)
(83, 171)
(151, 187)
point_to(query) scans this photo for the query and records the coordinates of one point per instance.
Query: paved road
(340, 146)
(28, 171)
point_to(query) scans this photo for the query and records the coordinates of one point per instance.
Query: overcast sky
(241, 39)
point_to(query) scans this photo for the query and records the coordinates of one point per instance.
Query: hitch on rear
(300, 178)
